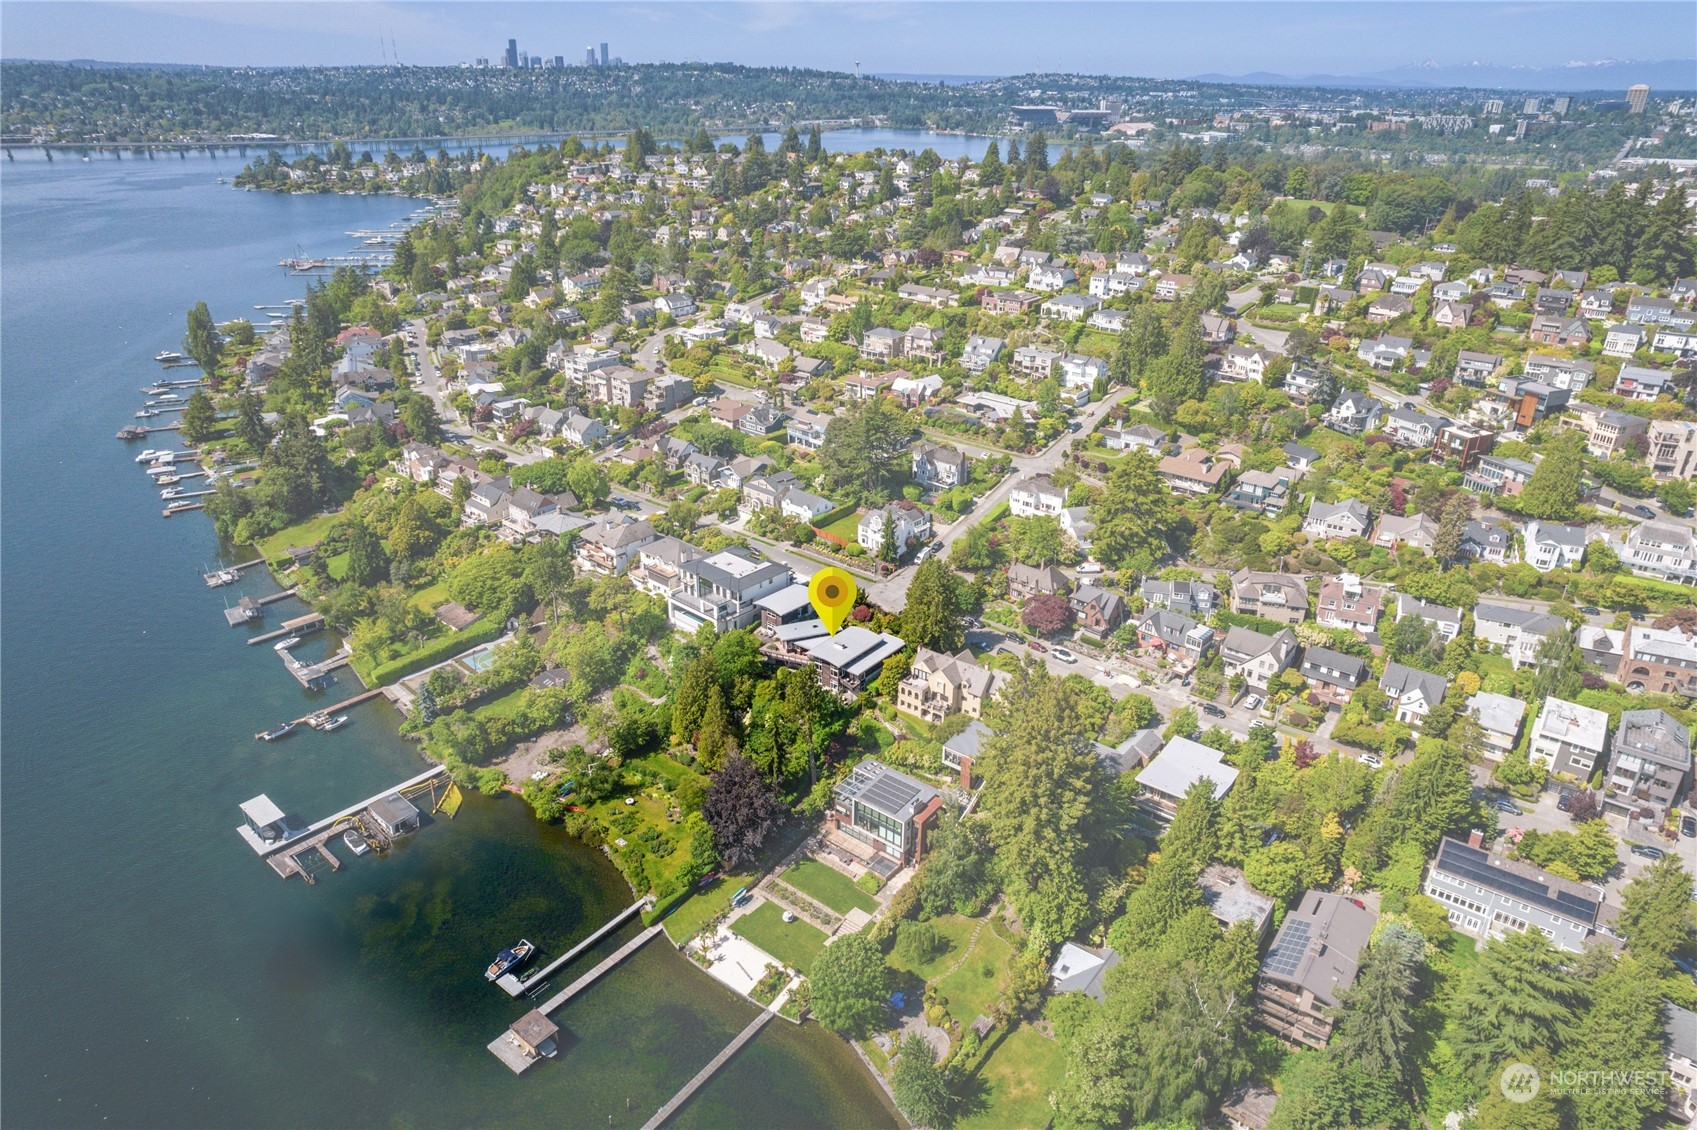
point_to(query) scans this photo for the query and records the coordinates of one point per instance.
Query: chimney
(1476, 838)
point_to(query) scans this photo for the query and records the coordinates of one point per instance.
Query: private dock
(516, 988)
(678, 1100)
(250, 608)
(284, 855)
(504, 1047)
(236, 569)
(340, 706)
(189, 509)
(311, 622)
(315, 676)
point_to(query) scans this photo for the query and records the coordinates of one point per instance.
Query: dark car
(1212, 711)
(1408, 404)
(1643, 512)
(1589, 610)
(1565, 801)
(1645, 851)
(1508, 806)
(1688, 827)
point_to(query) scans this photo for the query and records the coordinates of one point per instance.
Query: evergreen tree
(689, 701)
(932, 617)
(1135, 513)
(990, 168)
(200, 418)
(1181, 375)
(1664, 253)
(1043, 795)
(1452, 529)
(815, 145)
(1655, 915)
(1514, 1000)
(887, 544)
(714, 737)
(1374, 1027)
(202, 341)
(368, 564)
(1622, 1030)
(251, 428)
(1552, 493)
(922, 1091)
(846, 985)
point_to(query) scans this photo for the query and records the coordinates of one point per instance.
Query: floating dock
(303, 840)
(311, 622)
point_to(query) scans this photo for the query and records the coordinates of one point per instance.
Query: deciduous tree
(741, 810)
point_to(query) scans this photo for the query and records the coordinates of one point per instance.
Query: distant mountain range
(1601, 74)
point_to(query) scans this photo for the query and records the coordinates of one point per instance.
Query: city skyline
(1157, 40)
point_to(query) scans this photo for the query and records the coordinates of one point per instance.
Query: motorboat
(356, 842)
(276, 732)
(151, 454)
(166, 480)
(146, 414)
(222, 577)
(286, 644)
(171, 492)
(183, 504)
(335, 723)
(166, 355)
(508, 960)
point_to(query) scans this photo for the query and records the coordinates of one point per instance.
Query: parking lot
(1545, 815)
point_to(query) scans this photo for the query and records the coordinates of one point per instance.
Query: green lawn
(309, 532)
(507, 706)
(957, 928)
(337, 567)
(973, 989)
(427, 599)
(847, 528)
(691, 915)
(1280, 311)
(795, 944)
(828, 886)
(1016, 1081)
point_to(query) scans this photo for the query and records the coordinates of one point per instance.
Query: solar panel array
(889, 793)
(1474, 865)
(1288, 949)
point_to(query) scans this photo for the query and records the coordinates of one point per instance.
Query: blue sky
(932, 36)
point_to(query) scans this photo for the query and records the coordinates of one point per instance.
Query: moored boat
(286, 643)
(335, 723)
(276, 732)
(356, 842)
(509, 960)
(167, 355)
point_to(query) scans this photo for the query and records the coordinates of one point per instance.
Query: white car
(1253, 702)
(1371, 760)
(1063, 655)
(1090, 568)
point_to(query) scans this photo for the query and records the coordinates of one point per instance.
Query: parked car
(1212, 711)
(1565, 801)
(1037, 645)
(1502, 804)
(1643, 511)
(1186, 682)
(1688, 827)
(1253, 702)
(700, 402)
(1591, 611)
(1645, 851)
(1090, 568)
(1063, 655)
(1371, 760)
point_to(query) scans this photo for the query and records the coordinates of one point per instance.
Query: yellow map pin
(832, 592)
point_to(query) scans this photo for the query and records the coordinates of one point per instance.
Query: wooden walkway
(701, 1077)
(340, 706)
(513, 986)
(560, 998)
(311, 622)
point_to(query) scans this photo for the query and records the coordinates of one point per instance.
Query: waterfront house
(884, 813)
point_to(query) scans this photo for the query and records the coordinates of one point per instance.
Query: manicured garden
(977, 982)
(309, 532)
(795, 944)
(956, 930)
(829, 886)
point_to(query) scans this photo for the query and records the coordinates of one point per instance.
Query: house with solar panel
(1487, 895)
(884, 813)
(1313, 959)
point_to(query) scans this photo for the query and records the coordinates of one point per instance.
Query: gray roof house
(1336, 520)
(1313, 959)
(1412, 691)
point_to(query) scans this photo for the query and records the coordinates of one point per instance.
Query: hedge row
(480, 631)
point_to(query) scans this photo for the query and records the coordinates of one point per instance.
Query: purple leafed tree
(1046, 615)
(740, 809)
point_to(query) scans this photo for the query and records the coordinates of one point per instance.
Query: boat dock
(282, 855)
(678, 1100)
(250, 608)
(311, 622)
(340, 706)
(189, 509)
(516, 988)
(236, 569)
(502, 1048)
(315, 676)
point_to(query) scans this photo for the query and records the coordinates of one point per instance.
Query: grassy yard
(507, 706)
(426, 599)
(1280, 311)
(688, 919)
(1015, 1081)
(666, 853)
(847, 528)
(337, 567)
(309, 532)
(973, 989)
(957, 928)
(795, 944)
(829, 886)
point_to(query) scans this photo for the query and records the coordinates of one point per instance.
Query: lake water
(156, 972)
